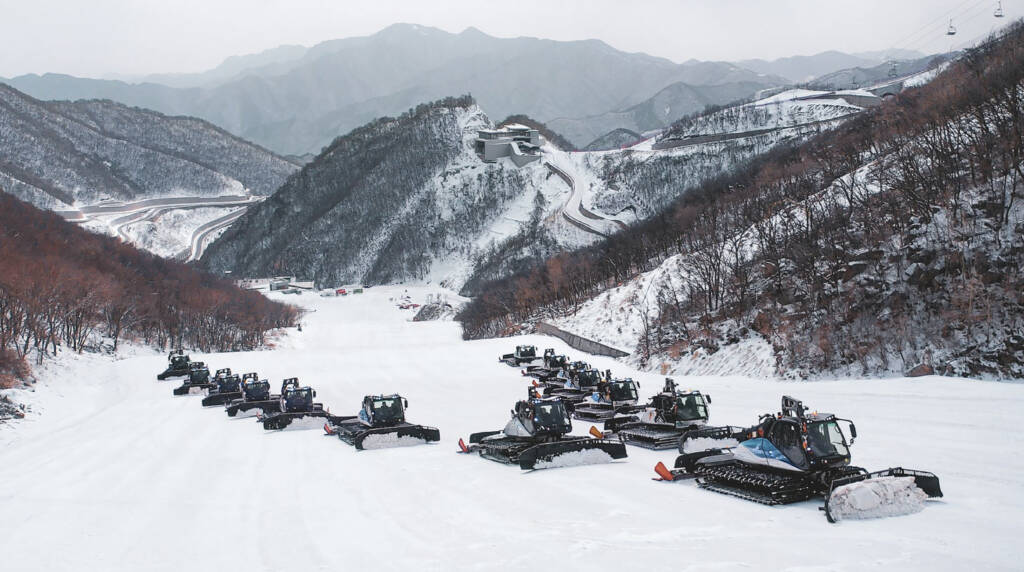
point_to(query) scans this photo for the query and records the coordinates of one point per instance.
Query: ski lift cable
(939, 22)
(926, 33)
(956, 20)
(960, 24)
(974, 39)
(978, 38)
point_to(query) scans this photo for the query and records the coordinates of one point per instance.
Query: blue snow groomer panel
(761, 448)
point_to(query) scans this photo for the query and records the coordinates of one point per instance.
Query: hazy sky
(103, 37)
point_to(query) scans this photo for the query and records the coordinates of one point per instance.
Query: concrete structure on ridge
(518, 142)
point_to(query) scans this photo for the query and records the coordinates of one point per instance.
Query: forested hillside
(893, 243)
(58, 153)
(63, 288)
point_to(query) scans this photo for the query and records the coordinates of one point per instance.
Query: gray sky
(102, 37)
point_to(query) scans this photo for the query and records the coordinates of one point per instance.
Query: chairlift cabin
(999, 9)
(951, 31)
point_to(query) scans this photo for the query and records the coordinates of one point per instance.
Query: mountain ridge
(295, 109)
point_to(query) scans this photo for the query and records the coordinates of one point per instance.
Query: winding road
(149, 209)
(201, 236)
(114, 208)
(577, 215)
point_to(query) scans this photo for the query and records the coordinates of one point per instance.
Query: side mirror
(708, 397)
(853, 432)
(314, 393)
(406, 402)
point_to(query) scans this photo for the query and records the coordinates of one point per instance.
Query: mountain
(614, 140)
(798, 69)
(58, 154)
(660, 110)
(891, 245)
(890, 54)
(401, 198)
(801, 69)
(296, 104)
(864, 76)
(788, 109)
(266, 62)
(408, 199)
(166, 184)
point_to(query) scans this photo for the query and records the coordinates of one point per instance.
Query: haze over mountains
(295, 100)
(798, 69)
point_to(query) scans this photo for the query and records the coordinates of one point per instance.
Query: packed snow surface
(110, 472)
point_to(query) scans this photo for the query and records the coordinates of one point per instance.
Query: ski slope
(113, 473)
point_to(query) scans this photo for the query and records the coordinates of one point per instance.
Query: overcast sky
(104, 37)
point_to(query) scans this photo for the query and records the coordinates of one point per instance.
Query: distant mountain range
(800, 69)
(55, 154)
(295, 100)
(660, 110)
(860, 76)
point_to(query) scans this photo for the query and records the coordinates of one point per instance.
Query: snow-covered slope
(111, 472)
(790, 108)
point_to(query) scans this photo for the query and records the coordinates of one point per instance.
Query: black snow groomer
(617, 397)
(579, 385)
(228, 388)
(297, 410)
(553, 364)
(198, 380)
(537, 438)
(794, 456)
(380, 424)
(564, 374)
(177, 365)
(663, 420)
(256, 399)
(523, 354)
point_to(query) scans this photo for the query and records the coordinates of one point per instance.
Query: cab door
(785, 435)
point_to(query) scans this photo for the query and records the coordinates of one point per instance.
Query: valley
(148, 473)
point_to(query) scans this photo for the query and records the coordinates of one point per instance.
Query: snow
(169, 233)
(575, 459)
(616, 316)
(789, 95)
(926, 76)
(109, 472)
(704, 443)
(390, 440)
(877, 498)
